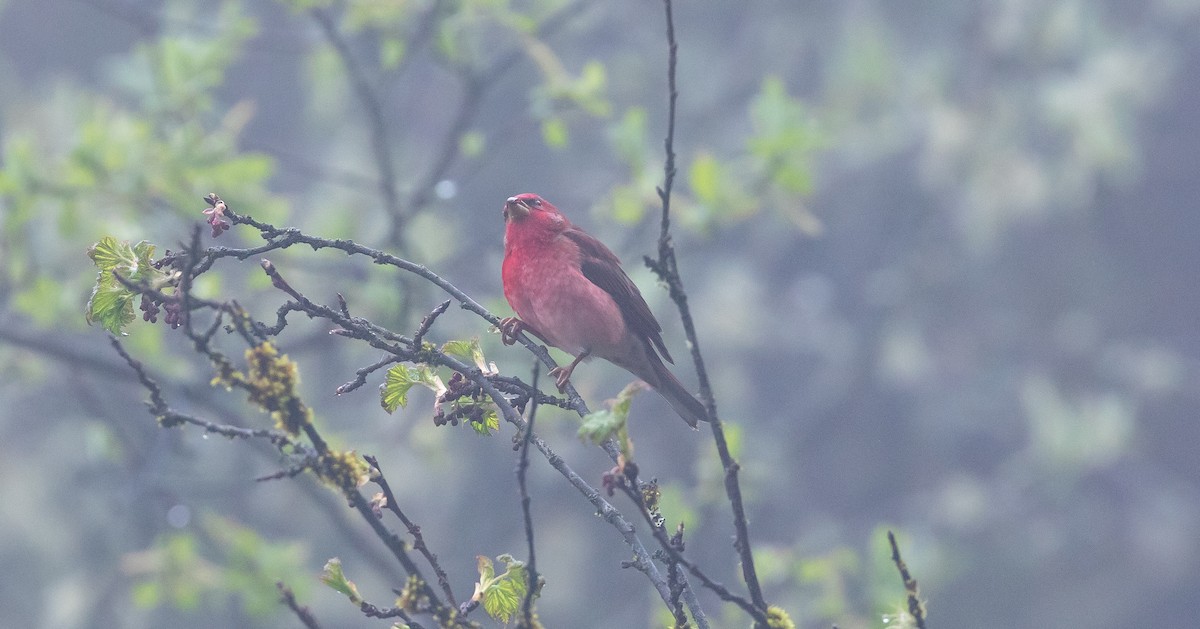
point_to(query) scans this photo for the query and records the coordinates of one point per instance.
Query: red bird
(569, 290)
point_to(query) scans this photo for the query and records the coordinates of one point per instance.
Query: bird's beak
(515, 208)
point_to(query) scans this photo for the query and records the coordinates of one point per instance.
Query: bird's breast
(549, 292)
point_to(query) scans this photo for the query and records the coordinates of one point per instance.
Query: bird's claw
(562, 377)
(510, 327)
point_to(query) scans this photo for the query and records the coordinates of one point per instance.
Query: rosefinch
(569, 290)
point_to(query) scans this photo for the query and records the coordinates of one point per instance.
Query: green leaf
(110, 252)
(600, 425)
(628, 206)
(470, 350)
(147, 594)
(490, 423)
(501, 595)
(394, 392)
(336, 579)
(111, 303)
(784, 137)
(589, 89)
(460, 347)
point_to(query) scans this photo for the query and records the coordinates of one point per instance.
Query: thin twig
(427, 322)
(522, 466)
(169, 417)
(675, 580)
(289, 599)
(915, 608)
(666, 267)
(360, 375)
(372, 611)
(414, 530)
(319, 498)
(676, 556)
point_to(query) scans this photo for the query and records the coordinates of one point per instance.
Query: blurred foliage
(938, 253)
(221, 561)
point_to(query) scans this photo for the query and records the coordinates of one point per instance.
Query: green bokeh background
(942, 257)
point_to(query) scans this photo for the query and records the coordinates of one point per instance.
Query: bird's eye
(535, 202)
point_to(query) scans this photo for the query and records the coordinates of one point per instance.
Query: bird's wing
(603, 268)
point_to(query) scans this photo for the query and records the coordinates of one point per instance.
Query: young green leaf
(472, 351)
(502, 594)
(394, 392)
(111, 303)
(600, 425)
(462, 348)
(336, 579)
(490, 423)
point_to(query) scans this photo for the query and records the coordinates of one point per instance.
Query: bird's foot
(510, 327)
(562, 375)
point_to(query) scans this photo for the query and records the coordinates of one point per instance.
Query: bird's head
(530, 209)
(519, 207)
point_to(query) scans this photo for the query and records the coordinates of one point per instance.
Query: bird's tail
(687, 405)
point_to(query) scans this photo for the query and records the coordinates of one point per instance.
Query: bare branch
(915, 608)
(667, 269)
(427, 322)
(675, 555)
(289, 599)
(360, 375)
(522, 467)
(414, 530)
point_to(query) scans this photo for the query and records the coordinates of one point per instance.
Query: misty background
(941, 254)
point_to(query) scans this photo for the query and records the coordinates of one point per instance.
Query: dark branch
(675, 580)
(675, 555)
(427, 323)
(360, 375)
(195, 263)
(289, 599)
(666, 267)
(414, 530)
(169, 417)
(915, 608)
(522, 467)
